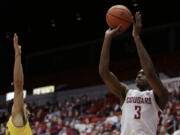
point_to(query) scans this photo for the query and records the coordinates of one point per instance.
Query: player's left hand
(17, 47)
(113, 32)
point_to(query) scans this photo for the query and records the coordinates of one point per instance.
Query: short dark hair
(9, 106)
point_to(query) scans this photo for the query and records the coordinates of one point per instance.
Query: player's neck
(144, 88)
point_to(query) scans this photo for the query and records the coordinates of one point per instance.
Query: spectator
(2, 129)
(163, 131)
(111, 119)
(63, 131)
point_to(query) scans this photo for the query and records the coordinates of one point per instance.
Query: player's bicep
(113, 84)
(18, 109)
(18, 103)
(19, 120)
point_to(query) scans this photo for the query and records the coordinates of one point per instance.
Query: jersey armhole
(129, 90)
(155, 102)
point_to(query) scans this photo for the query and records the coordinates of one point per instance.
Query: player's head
(25, 108)
(141, 81)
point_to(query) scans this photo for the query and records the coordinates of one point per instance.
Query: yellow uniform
(13, 130)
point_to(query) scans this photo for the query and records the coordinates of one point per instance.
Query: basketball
(119, 15)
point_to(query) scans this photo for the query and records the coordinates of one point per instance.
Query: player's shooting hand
(113, 32)
(137, 24)
(17, 47)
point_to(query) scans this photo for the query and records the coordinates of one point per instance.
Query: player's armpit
(19, 120)
(115, 86)
(18, 117)
(159, 90)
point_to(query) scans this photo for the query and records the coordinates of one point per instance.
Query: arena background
(61, 43)
(68, 37)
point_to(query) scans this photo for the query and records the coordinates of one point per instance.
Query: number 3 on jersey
(138, 112)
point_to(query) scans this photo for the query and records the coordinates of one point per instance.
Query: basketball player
(18, 123)
(140, 108)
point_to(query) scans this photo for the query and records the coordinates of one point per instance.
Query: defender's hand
(17, 47)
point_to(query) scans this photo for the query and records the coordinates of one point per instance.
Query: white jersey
(140, 113)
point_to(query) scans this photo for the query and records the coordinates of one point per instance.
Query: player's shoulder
(138, 92)
(132, 91)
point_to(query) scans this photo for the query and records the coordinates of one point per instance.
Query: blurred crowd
(89, 116)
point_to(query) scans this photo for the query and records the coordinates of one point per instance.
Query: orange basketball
(119, 14)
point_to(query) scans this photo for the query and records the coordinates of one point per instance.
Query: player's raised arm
(18, 79)
(111, 81)
(159, 90)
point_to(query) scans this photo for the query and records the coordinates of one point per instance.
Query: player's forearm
(145, 59)
(105, 56)
(18, 86)
(18, 74)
